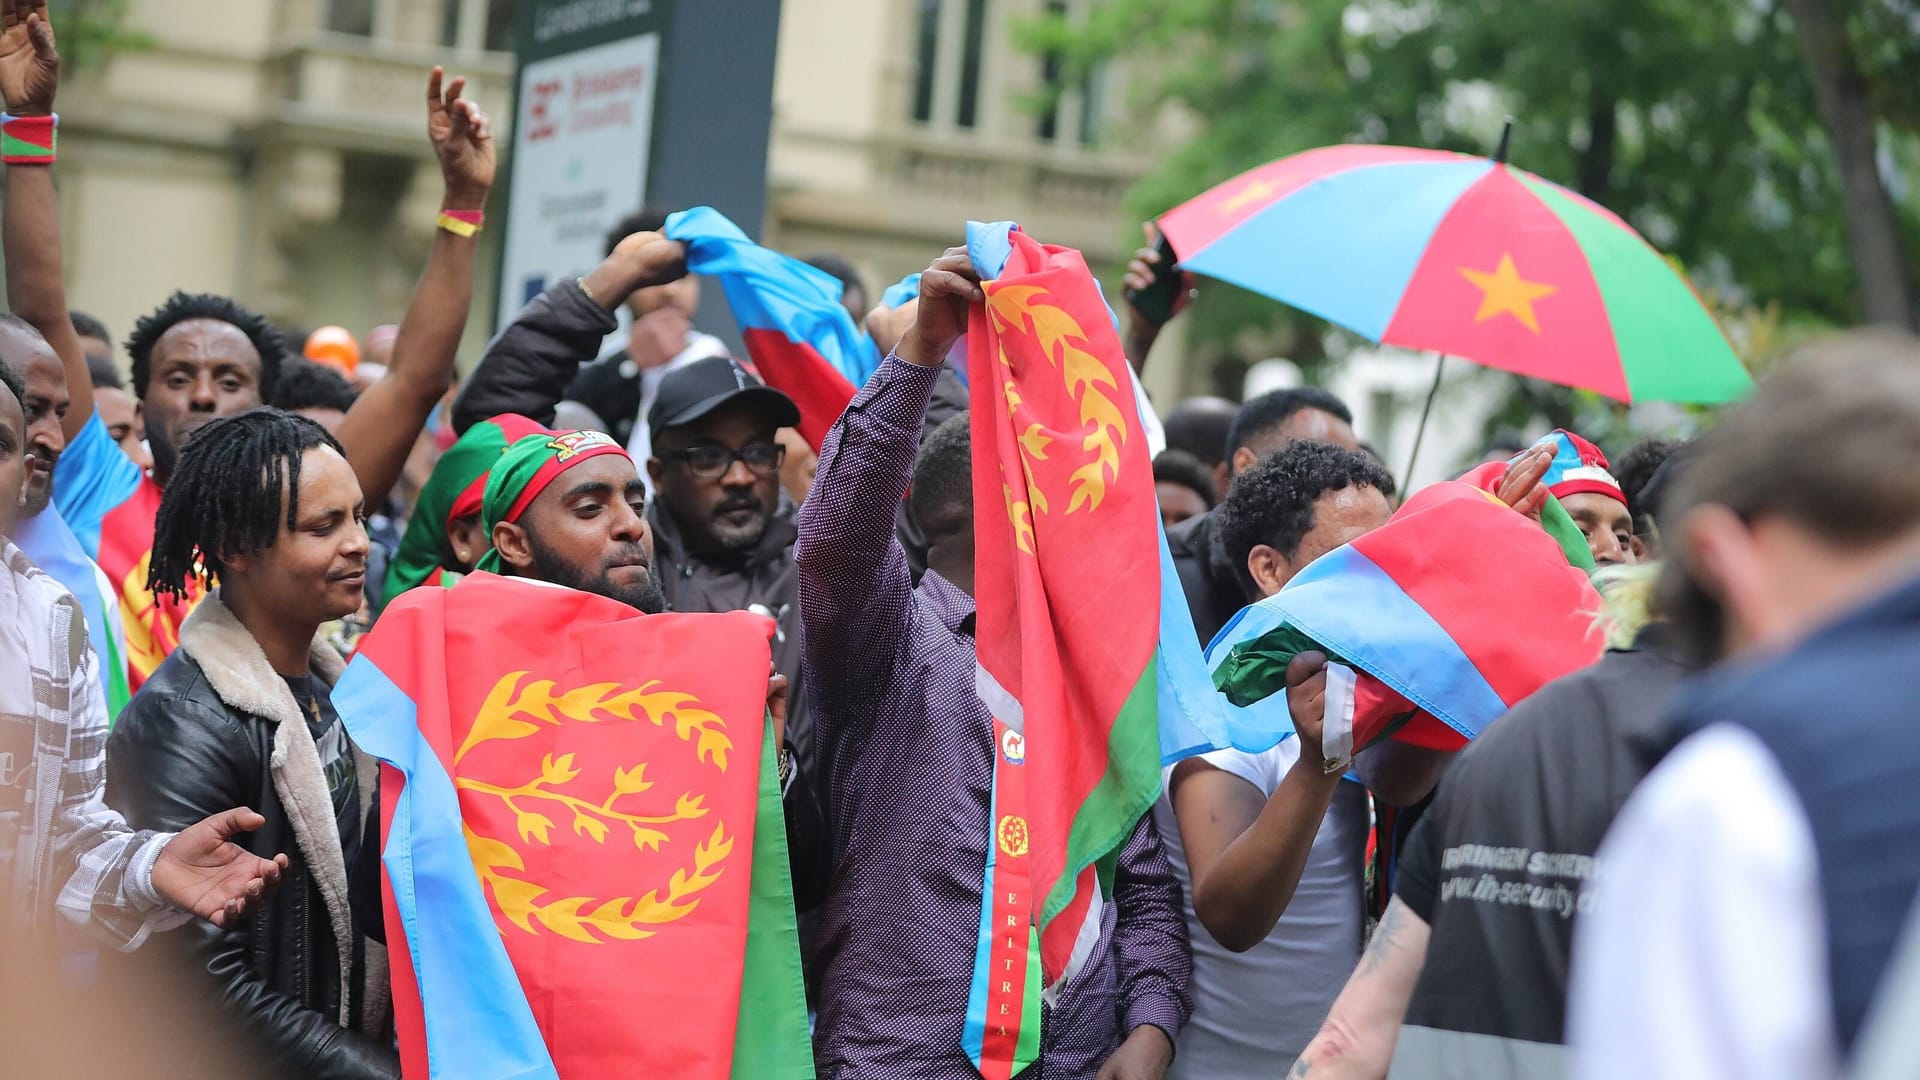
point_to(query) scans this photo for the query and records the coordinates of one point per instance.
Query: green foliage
(90, 30)
(1692, 119)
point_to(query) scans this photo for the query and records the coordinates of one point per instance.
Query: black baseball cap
(688, 393)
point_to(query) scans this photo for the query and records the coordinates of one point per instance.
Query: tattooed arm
(1357, 1038)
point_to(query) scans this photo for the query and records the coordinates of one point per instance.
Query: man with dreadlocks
(266, 503)
(201, 356)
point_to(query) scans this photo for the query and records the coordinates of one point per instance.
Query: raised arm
(30, 223)
(380, 429)
(855, 588)
(529, 366)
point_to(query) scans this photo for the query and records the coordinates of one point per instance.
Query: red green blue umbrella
(1464, 256)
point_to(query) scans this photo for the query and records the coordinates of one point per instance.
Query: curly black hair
(1635, 470)
(1263, 415)
(304, 384)
(224, 495)
(1271, 503)
(1179, 467)
(182, 306)
(941, 498)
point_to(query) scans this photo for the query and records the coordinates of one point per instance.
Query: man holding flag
(554, 910)
(908, 757)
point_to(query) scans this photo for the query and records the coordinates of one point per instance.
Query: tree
(1847, 110)
(1693, 119)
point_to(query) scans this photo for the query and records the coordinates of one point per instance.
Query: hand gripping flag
(585, 862)
(1071, 578)
(1440, 621)
(801, 340)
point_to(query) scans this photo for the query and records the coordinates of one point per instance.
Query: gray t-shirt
(1254, 1012)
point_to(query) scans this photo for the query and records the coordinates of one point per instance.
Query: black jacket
(202, 737)
(1216, 589)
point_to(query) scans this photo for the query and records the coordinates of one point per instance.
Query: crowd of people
(1685, 860)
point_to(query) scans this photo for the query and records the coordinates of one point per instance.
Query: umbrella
(1464, 256)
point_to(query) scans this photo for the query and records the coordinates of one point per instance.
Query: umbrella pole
(1406, 478)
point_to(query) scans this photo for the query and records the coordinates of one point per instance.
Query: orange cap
(335, 347)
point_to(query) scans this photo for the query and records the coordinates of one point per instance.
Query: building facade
(274, 149)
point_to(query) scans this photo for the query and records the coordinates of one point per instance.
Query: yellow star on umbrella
(1252, 193)
(1505, 292)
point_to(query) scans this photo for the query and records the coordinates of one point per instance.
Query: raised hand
(462, 140)
(29, 65)
(1140, 273)
(1307, 701)
(948, 289)
(1520, 485)
(203, 871)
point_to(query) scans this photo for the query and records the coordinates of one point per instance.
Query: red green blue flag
(801, 340)
(1438, 637)
(1070, 660)
(585, 859)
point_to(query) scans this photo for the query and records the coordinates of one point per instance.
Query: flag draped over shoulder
(1071, 578)
(585, 860)
(800, 338)
(1444, 618)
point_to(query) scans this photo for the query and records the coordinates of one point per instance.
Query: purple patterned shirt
(905, 772)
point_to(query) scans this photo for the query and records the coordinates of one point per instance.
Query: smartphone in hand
(1155, 303)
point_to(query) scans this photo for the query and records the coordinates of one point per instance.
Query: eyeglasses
(712, 462)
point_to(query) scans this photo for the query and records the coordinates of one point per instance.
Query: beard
(645, 596)
(739, 537)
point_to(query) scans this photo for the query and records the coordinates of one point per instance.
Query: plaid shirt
(56, 833)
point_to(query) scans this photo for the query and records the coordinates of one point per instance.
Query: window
(926, 57)
(949, 58)
(477, 24)
(351, 17)
(1074, 110)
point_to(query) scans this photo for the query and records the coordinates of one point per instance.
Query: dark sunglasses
(712, 462)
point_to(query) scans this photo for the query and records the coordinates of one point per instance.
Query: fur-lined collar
(237, 669)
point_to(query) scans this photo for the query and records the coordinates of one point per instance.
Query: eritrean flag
(1440, 621)
(585, 857)
(801, 340)
(1075, 590)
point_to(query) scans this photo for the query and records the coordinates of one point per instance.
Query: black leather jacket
(179, 753)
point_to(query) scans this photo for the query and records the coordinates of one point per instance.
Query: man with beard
(723, 529)
(568, 508)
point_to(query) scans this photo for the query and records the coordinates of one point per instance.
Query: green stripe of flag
(1127, 790)
(771, 1040)
(1670, 348)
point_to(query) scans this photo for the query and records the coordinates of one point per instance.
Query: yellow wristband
(462, 223)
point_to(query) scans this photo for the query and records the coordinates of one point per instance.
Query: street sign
(583, 132)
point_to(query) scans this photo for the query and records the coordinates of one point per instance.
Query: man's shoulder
(1190, 538)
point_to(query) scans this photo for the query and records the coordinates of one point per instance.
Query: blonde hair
(1629, 600)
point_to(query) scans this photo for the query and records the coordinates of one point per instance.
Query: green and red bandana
(526, 469)
(453, 491)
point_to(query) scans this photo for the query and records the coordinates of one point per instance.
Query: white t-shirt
(1705, 954)
(1254, 1012)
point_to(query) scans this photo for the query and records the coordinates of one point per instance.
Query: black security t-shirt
(1498, 865)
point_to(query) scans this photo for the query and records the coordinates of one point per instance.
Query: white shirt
(1253, 1012)
(1705, 953)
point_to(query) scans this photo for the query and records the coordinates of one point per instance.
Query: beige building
(275, 150)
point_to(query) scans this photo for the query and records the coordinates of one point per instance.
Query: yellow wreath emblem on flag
(1103, 425)
(515, 711)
